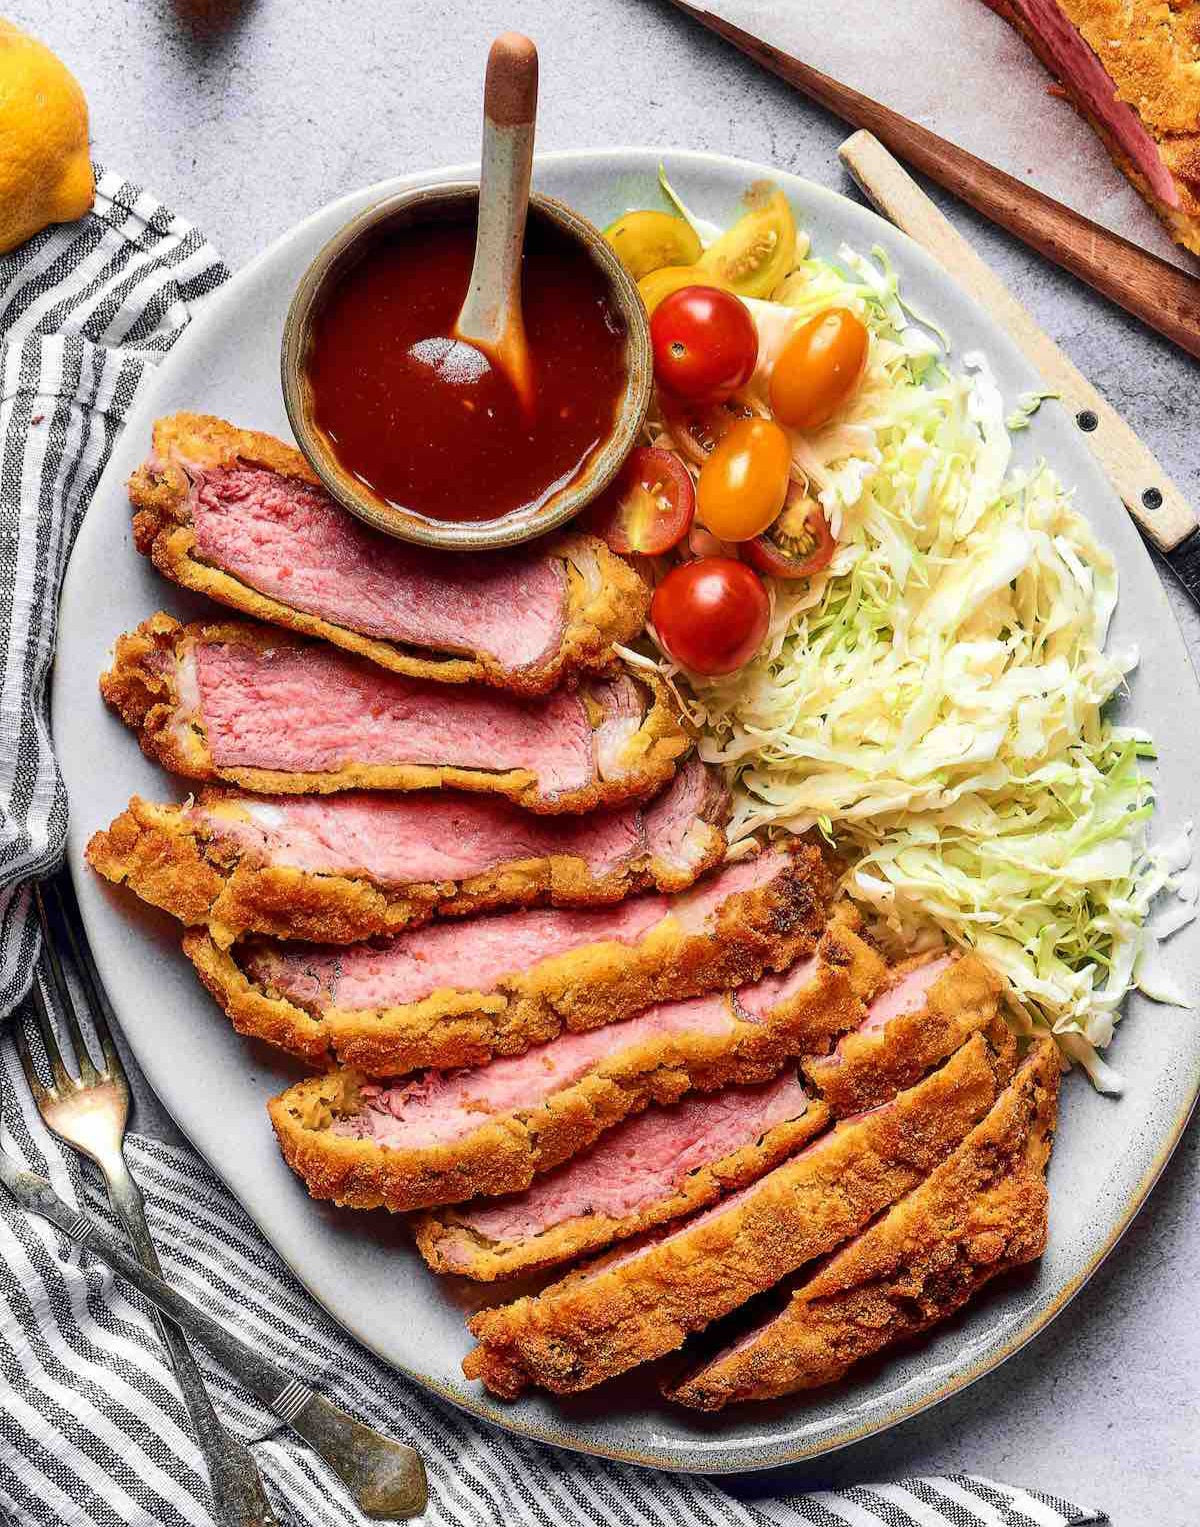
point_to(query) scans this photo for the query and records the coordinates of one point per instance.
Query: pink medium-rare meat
(278, 715)
(1129, 67)
(339, 868)
(664, 1164)
(448, 995)
(241, 517)
(641, 1302)
(980, 1213)
(445, 1138)
(927, 1008)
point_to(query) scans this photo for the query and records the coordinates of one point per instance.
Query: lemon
(45, 168)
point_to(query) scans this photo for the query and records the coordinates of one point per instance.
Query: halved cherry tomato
(649, 506)
(659, 284)
(819, 369)
(798, 544)
(744, 483)
(705, 344)
(711, 615)
(760, 249)
(648, 241)
(696, 427)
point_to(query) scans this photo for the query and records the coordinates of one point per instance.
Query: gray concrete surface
(246, 116)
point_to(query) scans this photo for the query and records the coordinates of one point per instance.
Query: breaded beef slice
(671, 1162)
(241, 517)
(642, 1301)
(339, 868)
(926, 1009)
(279, 715)
(446, 1138)
(1132, 68)
(981, 1213)
(662, 1165)
(456, 994)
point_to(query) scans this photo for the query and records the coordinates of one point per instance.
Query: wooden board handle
(1161, 295)
(1149, 494)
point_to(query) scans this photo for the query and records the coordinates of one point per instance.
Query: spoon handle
(491, 315)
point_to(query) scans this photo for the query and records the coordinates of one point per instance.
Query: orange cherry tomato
(744, 482)
(649, 505)
(711, 615)
(819, 369)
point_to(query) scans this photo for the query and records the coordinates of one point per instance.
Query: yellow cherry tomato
(744, 483)
(647, 241)
(819, 369)
(759, 250)
(673, 278)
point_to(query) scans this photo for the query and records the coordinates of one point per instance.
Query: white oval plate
(215, 1084)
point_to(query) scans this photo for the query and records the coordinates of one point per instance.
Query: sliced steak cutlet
(642, 1301)
(1129, 68)
(928, 1007)
(339, 868)
(278, 715)
(669, 1163)
(241, 517)
(980, 1213)
(446, 1138)
(662, 1165)
(455, 994)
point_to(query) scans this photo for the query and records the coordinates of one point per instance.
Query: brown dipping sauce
(426, 423)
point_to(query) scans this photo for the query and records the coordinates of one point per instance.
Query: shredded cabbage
(934, 701)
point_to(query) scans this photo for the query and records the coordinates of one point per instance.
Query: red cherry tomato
(711, 615)
(648, 508)
(696, 428)
(705, 344)
(798, 544)
(819, 369)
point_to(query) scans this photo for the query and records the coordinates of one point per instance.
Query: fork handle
(386, 1478)
(239, 1498)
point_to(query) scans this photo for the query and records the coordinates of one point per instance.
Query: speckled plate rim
(127, 940)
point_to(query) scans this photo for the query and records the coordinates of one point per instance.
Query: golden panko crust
(507, 1151)
(764, 928)
(980, 1213)
(171, 858)
(607, 601)
(1151, 52)
(143, 687)
(868, 1067)
(634, 1305)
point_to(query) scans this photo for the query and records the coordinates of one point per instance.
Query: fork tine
(66, 1006)
(63, 1079)
(68, 914)
(41, 1094)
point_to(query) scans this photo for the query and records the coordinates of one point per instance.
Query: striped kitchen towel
(92, 1429)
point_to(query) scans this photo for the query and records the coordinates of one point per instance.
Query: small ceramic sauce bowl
(455, 203)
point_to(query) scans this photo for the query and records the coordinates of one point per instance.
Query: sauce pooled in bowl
(425, 422)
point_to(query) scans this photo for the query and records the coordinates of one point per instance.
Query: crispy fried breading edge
(612, 1315)
(850, 972)
(508, 1151)
(142, 687)
(1150, 75)
(167, 859)
(160, 491)
(755, 930)
(980, 1213)
(868, 1067)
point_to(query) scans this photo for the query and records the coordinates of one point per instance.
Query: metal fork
(90, 1114)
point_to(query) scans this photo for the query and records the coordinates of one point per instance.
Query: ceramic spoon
(491, 314)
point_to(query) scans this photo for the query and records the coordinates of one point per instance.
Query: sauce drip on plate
(425, 421)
